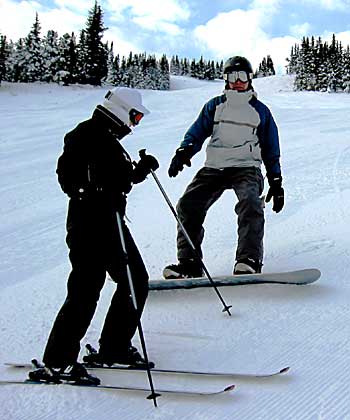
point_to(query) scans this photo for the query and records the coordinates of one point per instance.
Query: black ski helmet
(238, 63)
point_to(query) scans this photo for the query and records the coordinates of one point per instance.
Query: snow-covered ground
(272, 326)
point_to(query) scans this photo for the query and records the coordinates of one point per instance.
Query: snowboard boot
(132, 358)
(75, 372)
(247, 266)
(186, 268)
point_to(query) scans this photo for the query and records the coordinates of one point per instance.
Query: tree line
(87, 60)
(320, 66)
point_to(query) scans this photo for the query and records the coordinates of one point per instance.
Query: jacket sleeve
(202, 128)
(269, 142)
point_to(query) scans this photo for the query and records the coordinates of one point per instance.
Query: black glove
(182, 157)
(144, 166)
(276, 192)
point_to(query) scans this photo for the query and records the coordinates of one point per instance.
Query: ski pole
(195, 251)
(153, 396)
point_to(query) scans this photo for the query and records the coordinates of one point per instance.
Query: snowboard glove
(182, 157)
(276, 192)
(143, 167)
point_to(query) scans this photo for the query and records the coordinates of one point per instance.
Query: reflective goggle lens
(236, 75)
(135, 116)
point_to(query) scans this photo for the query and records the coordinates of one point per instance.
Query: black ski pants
(95, 249)
(204, 190)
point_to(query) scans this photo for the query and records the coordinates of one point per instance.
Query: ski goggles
(135, 116)
(237, 75)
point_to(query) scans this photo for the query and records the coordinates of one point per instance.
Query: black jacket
(94, 167)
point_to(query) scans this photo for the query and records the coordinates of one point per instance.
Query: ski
(233, 375)
(125, 388)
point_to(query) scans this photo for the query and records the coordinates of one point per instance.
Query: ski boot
(42, 373)
(75, 372)
(132, 358)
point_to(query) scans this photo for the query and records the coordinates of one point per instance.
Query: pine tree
(175, 68)
(210, 71)
(67, 65)
(33, 65)
(3, 56)
(82, 57)
(184, 67)
(346, 70)
(270, 67)
(94, 54)
(164, 81)
(219, 70)
(266, 68)
(193, 68)
(116, 71)
(320, 66)
(15, 61)
(50, 56)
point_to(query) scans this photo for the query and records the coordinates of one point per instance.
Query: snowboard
(298, 277)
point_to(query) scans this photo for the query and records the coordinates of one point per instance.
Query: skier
(97, 174)
(243, 135)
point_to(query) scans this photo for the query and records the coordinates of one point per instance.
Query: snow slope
(272, 326)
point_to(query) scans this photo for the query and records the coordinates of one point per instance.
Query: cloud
(240, 32)
(265, 4)
(121, 45)
(344, 37)
(79, 6)
(16, 19)
(152, 15)
(334, 4)
(300, 30)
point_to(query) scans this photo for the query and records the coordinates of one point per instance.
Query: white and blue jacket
(242, 130)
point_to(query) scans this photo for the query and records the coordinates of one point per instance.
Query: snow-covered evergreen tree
(110, 65)
(3, 56)
(319, 66)
(15, 63)
(266, 68)
(292, 60)
(175, 67)
(219, 70)
(93, 53)
(164, 80)
(346, 70)
(50, 56)
(67, 64)
(82, 57)
(33, 65)
(184, 67)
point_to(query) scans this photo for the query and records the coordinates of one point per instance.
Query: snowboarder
(97, 173)
(243, 135)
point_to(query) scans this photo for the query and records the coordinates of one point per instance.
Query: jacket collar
(111, 122)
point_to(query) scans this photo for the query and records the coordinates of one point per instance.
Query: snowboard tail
(298, 277)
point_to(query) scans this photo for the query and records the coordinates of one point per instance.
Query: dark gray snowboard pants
(204, 190)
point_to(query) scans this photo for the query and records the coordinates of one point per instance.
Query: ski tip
(285, 370)
(229, 388)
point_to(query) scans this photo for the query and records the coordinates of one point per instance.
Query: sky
(215, 30)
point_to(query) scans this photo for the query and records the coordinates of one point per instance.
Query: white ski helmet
(123, 102)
